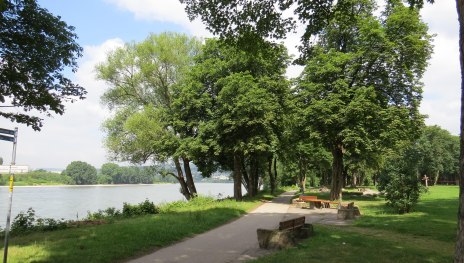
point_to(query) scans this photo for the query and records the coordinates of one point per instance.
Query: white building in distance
(16, 169)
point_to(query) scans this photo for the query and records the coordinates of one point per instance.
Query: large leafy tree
(142, 78)
(35, 48)
(81, 173)
(232, 105)
(361, 82)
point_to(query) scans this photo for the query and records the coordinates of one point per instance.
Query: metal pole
(7, 229)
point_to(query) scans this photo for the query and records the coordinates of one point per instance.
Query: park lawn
(127, 238)
(379, 235)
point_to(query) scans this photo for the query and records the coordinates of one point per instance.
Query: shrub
(144, 208)
(23, 221)
(400, 182)
(109, 213)
(50, 224)
(28, 221)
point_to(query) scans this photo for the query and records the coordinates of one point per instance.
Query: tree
(35, 48)
(399, 180)
(232, 107)
(361, 84)
(437, 150)
(142, 77)
(81, 173)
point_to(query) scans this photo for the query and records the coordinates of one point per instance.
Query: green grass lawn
(126, 238)
(379, 235)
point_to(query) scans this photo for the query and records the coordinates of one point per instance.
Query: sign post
(14, 139)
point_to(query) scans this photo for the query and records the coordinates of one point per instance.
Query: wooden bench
(292, 223)
(315, 202)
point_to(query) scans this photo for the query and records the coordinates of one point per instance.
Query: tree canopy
(35, 48)
(361, 88)
(142, 79)
(81, 172)
(234, 102)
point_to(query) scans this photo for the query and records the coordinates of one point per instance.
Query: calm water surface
(68, 202)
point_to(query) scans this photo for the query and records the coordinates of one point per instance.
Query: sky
(104, 25)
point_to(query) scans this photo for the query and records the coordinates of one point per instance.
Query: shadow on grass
(432, 218)
(331, 244)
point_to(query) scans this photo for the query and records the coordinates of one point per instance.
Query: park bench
(286, 236)
(315, 202)
(292, 223)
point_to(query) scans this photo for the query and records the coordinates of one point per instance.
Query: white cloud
(442, 80)
(74, 136)
(171, 11)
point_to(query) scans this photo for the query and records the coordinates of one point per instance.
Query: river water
(70, 202)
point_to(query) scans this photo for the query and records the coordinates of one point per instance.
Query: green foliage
(144, 208)
(252, 21)
(115, 174)
(109, 213)
(35, 47)
(81, 173)
(142, 79)
(38, 177)
(400, 181)
(28, 221)
(232, 105)
(437, 152)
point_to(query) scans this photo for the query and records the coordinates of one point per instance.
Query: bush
(109, 213)
(144, 208)
(28, 221)
(400, 182)
(50, 224)
(24, 221)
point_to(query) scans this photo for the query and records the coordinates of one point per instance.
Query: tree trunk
(275, 173)
(354, 180)
(459, 252)
(337, 172)
(256, 176)
(237, 177)
(435, 179)
(271, 176)
(189, 177)
(245, 177)
(180, 177)
(251, 177)
(302, 176)
(362, 178)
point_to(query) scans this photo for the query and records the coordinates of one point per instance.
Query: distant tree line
(82, 173)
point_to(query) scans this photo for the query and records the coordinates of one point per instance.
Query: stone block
(279, 239)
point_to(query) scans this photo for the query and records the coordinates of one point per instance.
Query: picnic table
(314, 202)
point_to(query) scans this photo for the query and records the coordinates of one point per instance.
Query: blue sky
(103, 25)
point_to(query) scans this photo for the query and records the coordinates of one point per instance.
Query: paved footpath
(238, 241)
(233, 242)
